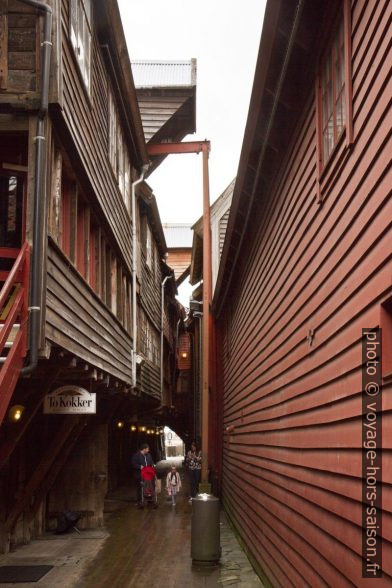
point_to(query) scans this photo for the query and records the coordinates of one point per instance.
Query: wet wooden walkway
(151, 548)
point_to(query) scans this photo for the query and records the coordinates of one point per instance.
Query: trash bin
(205, 533)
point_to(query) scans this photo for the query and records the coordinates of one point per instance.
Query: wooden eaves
(111, 34)
(271, 123)
(154, 218)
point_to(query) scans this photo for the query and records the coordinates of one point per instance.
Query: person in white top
(173, 484)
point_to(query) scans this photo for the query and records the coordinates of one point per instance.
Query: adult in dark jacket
(140, 460)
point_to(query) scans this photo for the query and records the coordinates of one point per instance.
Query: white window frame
(149, 246)
(118, 152)
(80, 36)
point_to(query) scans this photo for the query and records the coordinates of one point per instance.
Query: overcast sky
(224, 37)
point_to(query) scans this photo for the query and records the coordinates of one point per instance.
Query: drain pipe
(134, 272)
(36, 258)
(162, 314)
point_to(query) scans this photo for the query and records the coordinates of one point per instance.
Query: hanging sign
(70, 400)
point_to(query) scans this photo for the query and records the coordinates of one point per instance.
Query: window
(68, 205)
(333, 94)
(126, 304)
(102, 273)
(334, 108)
(149, 246)
(386, 329)
(11, 210)
(82, 238)
(94, 260)
(118, 152)
(127, 181)
(120, 160)
(80, 35)
(112, 112)
(149, 340)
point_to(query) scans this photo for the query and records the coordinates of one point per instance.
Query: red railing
(13, 314)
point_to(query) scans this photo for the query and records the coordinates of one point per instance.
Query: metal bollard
(205, 529)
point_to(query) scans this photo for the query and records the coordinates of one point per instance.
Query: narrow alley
(136, 549)
(195, 269)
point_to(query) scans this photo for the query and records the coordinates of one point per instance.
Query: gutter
(38, 200)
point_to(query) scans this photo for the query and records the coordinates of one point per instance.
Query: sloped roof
(164, 74)
(218, 210)
(166, 93)
(215, 207)
(178, 235)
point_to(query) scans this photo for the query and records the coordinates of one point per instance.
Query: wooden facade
(94, 149)
(306, 265)
(219, 214)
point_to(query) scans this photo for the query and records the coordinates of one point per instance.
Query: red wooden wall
(293, 403)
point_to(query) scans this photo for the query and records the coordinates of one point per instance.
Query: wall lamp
(15, 413)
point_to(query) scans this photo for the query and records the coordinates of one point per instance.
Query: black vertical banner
(371, 454)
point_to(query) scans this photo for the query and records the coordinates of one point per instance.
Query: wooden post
(207, 291)
(197, 147)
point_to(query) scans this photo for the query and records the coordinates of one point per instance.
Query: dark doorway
(11, 210)
(13, 168)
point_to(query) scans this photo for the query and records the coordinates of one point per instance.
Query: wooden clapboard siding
(79, 322)
(86, 119)
(149, 381)
(150, 290)
(156, 111)
(222, 230)
(292, 466)
(19, 49)
(179, 260)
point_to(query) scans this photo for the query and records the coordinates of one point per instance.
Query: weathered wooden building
(179, 249)
(306, 265)
(166, 92)
(88, 313)
(219, 215)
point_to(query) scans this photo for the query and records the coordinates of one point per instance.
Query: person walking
(193, 462)
(141, 459)
(173, 484)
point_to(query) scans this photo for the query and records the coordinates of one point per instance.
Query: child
(173, 484)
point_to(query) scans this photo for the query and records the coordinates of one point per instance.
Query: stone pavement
(69, 554)
(137, 549)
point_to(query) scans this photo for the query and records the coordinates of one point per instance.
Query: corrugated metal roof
(164, 74)
(178, 235)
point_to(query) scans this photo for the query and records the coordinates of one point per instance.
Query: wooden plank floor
(151, 548)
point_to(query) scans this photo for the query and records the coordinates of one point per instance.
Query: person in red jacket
(140, 460)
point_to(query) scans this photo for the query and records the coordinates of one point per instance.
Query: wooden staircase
(13, 319)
